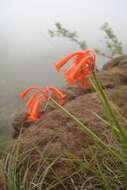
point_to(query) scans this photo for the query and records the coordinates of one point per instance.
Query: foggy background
(28, 54)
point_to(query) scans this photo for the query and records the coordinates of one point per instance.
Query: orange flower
(40, 95)
(34, 115)
(31, 101)
(60, 96)
(83, 65)
(67, 58)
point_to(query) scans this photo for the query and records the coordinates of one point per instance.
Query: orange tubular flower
(34, 115)
(83, 65)
(40, 95)
(31, 101)
(66, 59)
(60, 96)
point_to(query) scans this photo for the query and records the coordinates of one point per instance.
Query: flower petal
(31, 101)
(34, 115)
(26, 91)
(60, 96)
(62, 62)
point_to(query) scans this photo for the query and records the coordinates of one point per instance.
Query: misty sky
(24, 23)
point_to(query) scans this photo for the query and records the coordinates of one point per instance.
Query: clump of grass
(5, 142)
(20, 172)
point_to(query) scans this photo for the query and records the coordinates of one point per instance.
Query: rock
(118, 62)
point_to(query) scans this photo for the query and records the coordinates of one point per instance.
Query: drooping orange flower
(40, 95)
(83, 65)
(59, 95)
(34, 115)
(31, 101)
(66, 59)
